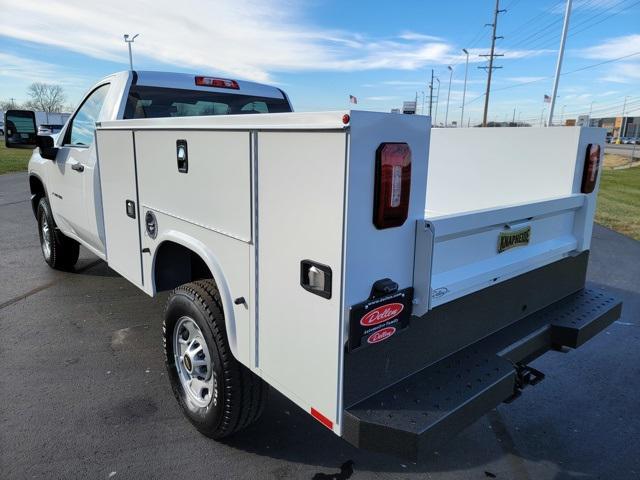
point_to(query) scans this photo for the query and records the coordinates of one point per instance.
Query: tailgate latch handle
(315, 278)
(182, 155)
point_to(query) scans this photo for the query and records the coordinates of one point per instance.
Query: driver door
(75, 168)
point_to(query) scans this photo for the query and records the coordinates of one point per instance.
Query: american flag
(353, 99)
(547, 99)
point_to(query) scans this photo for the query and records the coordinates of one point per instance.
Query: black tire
(63, 251)
(240, 395)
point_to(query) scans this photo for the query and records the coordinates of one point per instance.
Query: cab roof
(187, 81)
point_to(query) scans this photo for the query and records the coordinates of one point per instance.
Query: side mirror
(20, 129)
(47, 148)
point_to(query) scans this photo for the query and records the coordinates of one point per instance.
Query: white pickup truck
(391, 279)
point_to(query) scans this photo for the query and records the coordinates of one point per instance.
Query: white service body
(265, 192)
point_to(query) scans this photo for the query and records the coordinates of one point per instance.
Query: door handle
(78, 167)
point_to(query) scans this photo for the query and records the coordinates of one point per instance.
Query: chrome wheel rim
(194, 363)
(45, 237)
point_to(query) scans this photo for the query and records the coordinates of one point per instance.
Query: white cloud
(613, 48)
(577, 97)
(13, 66)
(382, 98)
(419, 36)
(246, 38)
(626, 72)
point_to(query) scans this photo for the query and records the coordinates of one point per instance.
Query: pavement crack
(13, 203)
(33, 291)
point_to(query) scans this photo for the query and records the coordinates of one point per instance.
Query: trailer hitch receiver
(525, 375)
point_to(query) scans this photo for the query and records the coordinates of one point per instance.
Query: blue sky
(320, 51)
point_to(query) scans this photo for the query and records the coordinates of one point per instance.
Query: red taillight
(591, 167)
(392, 185)
(217, 82)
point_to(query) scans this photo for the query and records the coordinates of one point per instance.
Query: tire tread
(245, 393)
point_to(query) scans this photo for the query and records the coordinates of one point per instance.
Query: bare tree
(45, 97)
(10, 104)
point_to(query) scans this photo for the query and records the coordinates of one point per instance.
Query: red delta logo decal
(381, 335)
(381, 314)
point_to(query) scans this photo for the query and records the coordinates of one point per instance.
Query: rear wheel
(59, 251)
(217, 394)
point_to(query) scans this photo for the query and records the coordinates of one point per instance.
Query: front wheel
(59, 251)
(217, 394)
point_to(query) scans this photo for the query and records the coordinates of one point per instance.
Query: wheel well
(37, 192)
(175, 265)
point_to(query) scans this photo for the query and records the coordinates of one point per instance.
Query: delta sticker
(381, 314)
(381, 335)
(379, 318)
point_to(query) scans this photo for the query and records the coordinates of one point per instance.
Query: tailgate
(474, 250)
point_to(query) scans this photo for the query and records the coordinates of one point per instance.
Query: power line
(542, 42)
(603, 19)
(524, 27)
(586, 67)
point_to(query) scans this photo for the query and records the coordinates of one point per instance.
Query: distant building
(618, 126)
(409, 108)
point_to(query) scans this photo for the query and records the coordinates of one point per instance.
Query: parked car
(392, 280)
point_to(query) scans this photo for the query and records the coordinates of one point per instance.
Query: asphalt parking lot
(83, 391)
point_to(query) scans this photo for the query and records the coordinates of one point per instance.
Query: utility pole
(513, 120)
(622, 122)
(431, 94)
(129, 41)
(556, 80)
(13, 102)
(435, 114)
(446, 115)
(464, 90)
(491, 56)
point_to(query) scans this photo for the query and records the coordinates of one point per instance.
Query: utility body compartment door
(118, 179)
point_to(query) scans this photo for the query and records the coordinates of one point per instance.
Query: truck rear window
(157, 102)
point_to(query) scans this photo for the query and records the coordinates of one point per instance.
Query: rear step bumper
(437, 402)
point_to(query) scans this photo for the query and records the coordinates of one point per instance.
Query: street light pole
(129, 41)
(556, 80)
(464, 90)
(431, 95)
(446, 114)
